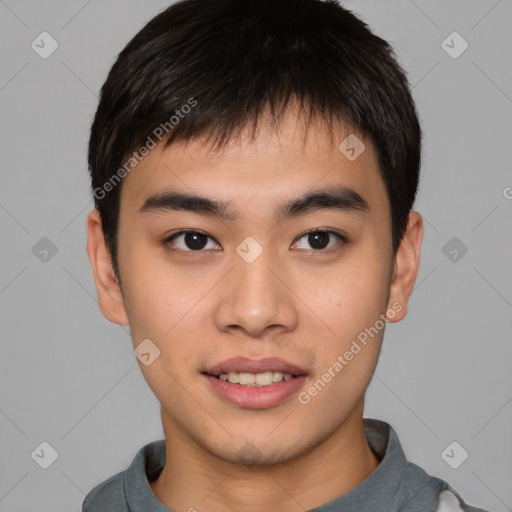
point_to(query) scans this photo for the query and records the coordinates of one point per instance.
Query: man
(254, 166)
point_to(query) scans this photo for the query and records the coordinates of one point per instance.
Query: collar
(394, 482)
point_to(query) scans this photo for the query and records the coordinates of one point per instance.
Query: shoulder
(108, 495)
(412, 489)
(129, 489)
(420, 489)
(451, 501)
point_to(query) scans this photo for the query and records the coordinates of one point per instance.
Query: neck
(195, 479)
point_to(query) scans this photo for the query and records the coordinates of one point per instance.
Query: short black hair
(210, 67)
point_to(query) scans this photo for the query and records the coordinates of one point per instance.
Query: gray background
(69, 376)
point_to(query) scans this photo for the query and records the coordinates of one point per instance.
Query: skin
(301, 304)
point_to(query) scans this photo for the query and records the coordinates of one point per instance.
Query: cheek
(351, 296)
(351, 302)
(347, 359)
(157, 297)
(165, 306)
(161, 310)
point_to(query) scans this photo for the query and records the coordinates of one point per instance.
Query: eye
(191, 240)
(320, 239)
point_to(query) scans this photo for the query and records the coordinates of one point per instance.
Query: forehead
(271, 165)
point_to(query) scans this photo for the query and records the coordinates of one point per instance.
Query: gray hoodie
(395, 485)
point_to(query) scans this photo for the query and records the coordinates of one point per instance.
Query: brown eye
(189, 241)
(195, 241)
(320, 239)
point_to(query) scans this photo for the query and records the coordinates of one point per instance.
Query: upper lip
(246, 365)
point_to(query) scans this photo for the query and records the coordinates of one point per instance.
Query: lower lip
(256, 397)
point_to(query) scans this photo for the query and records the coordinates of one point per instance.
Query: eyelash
(166, 242)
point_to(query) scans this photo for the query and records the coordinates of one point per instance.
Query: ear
(406, 264)
(110, 297)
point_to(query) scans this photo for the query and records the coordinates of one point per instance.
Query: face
(256, 288)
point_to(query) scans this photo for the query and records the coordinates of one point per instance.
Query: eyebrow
(339, 198)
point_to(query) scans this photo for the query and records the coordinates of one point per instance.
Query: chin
(250, 454)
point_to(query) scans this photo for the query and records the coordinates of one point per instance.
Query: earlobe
(110, 297)
(406, 265)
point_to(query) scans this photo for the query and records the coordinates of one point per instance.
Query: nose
(257, 297)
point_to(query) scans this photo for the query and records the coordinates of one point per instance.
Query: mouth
(267, 378)
(255, 384)
(255, 372)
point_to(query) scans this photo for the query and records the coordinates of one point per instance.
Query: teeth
(233, 377)
(277, 377)
(255, 379)
(246, 379)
